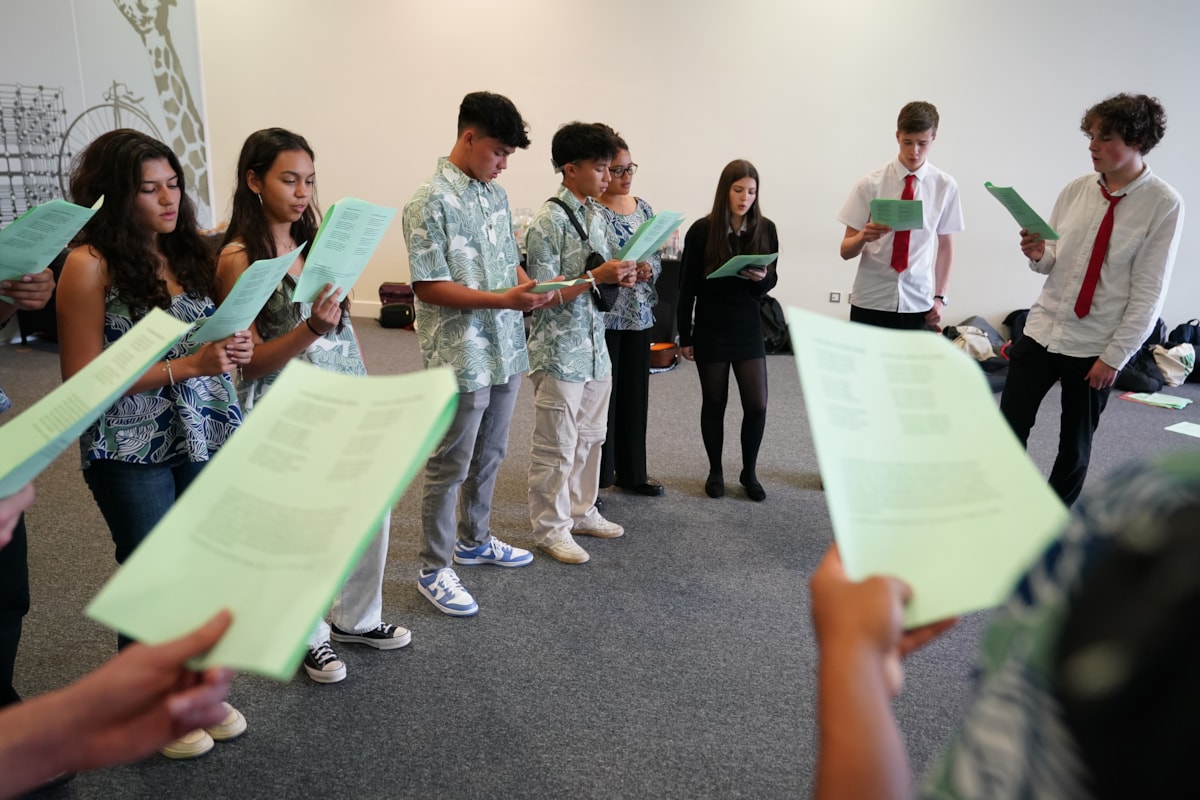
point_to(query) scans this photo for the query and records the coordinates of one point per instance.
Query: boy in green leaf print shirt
(568, 357)
(461, 249)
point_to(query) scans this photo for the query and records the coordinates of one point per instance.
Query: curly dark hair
(581, 141)
(249, 225)
(717, 249)
(111, 166)
(1139, 120)
(493, 115)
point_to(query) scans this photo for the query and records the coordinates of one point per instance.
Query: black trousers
(623, 457)
(900, 320)
(14, 605)
(1032, 370)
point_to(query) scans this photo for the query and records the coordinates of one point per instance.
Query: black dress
(727, 324)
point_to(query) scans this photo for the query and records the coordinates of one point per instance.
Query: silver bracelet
(170, 374)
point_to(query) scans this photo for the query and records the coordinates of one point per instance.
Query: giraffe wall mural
(73, 69)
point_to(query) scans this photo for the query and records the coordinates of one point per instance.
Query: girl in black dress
(726, 331)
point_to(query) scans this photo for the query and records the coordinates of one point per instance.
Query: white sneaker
(448, 595)
(565, 550)
(595, 525)
(323, 665)
(233, 726)
(190, 745)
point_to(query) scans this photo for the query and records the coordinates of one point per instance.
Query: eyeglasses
(619, 172)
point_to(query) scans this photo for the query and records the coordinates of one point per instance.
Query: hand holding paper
(924, 479)
(247, 297)
(1025, 216)
(734, 266)
(344, 243)
(276, 521)
(650, 236)
(31, 242)
(29, 443)
(899, 215)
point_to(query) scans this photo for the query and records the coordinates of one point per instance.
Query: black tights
(752, 386)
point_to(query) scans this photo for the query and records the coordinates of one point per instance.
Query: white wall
(808, 91)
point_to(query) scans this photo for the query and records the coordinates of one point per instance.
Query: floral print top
(172, 424)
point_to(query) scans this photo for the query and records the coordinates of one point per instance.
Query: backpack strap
(574, 221)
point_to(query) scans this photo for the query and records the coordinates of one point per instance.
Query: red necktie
(1092, 277)
(900, 238)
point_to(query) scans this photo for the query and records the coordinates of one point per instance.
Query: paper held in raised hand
(899, 215)
(924, 479)
(734, 266)
(30, 242)
(650, 236)
(1021, 211)
(344, 243)
(274, 524)
(249, 294)
(31, 441)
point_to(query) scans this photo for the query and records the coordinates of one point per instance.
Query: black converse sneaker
(385, 637)
(323, 665)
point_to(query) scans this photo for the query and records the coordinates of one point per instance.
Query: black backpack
(774, 326)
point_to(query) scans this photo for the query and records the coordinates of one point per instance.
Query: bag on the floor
(1186, 333)
(971, 340)
(397, 305)
(1175, 363)
(605, 294)
(774, 326)
(1016, 324)
(993, 335)
(1141, 374)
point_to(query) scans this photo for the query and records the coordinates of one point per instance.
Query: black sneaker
(385, 637)
(323, 665)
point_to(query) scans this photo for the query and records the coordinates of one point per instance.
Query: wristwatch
(942, 297)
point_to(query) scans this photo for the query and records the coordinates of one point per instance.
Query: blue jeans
(134, 497)
(462, 471)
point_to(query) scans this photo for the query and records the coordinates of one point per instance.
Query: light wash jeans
(358, 607)
(570, 421)
(462, 471)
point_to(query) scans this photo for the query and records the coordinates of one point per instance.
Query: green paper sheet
(247, 297)
(1158, 399)
(923, 477)
(650, 236)
(899, 215)
(276, 521)
(31, 441)
(548, 286)
(1021, 211)
(735, 265)
(1186, 428)
(29, 243)
(344, 243)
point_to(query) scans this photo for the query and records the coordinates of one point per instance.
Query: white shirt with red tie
(877, 285)
(1147, 224)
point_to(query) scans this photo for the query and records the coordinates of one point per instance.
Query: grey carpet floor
(678, 663)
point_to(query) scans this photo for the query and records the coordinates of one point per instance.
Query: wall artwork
(71, 70)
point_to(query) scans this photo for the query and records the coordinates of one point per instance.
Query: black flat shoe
(715, 486)
(647, 488)
(754, 489)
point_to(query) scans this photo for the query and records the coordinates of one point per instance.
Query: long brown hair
(112, 166)
(248, 222)
(717, 249)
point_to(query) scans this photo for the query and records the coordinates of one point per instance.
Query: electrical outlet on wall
(835, 297)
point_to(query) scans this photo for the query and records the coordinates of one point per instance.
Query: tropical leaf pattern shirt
(1013, 741)
(336, 351)
(460, 229)
(634, 309)
(172, 424)
(567, 340)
